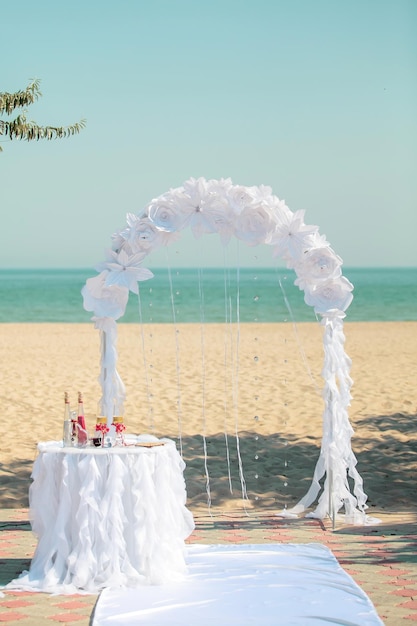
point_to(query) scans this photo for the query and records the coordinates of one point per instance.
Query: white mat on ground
(238, 585)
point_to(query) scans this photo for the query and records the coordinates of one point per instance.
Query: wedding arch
(255, 216)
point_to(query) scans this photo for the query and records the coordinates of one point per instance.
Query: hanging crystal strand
(236, 389)
(177, 351)
(256, 381)
(291, 512)
(285, 413)
(203, 391)
(227, 319)
(299, 342)
(283, 400)
(151, 422)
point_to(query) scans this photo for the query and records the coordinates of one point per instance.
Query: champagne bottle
(67, 421)
(82, 431)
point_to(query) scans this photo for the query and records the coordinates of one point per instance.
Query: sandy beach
(256, 394)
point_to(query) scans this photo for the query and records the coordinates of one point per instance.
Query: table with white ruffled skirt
(107, 517)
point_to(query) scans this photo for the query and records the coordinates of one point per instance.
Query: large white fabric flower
(104, 300)
(165, 215)
(292, 237)
(334, 293)
(254, 225)
(210, 216)
(220, 222)
(124, 270)
(146, 236)
(205, 208)
(141, 235)
(239, 198)
(317, 264)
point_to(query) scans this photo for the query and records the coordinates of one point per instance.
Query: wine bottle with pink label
(81, 427)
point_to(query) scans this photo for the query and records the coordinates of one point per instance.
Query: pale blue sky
(316, 98)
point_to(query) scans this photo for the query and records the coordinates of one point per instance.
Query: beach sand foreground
(263, 386)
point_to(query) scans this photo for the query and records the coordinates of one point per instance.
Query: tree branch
(11, 101)
(20, 128)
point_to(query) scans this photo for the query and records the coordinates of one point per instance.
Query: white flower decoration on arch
(255, 216)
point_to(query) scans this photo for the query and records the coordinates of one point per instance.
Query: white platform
(242, 585)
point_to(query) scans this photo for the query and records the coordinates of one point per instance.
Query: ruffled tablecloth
(107, 517)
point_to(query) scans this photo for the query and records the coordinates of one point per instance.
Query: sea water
(206, 295)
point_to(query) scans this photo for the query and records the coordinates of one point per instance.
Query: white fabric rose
(317, 264)
(239, 198)
(141, 236)
(165, 216)
(329, 294)
(103, 300)
(254, 225)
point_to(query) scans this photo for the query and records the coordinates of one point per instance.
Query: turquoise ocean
(209, 295)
